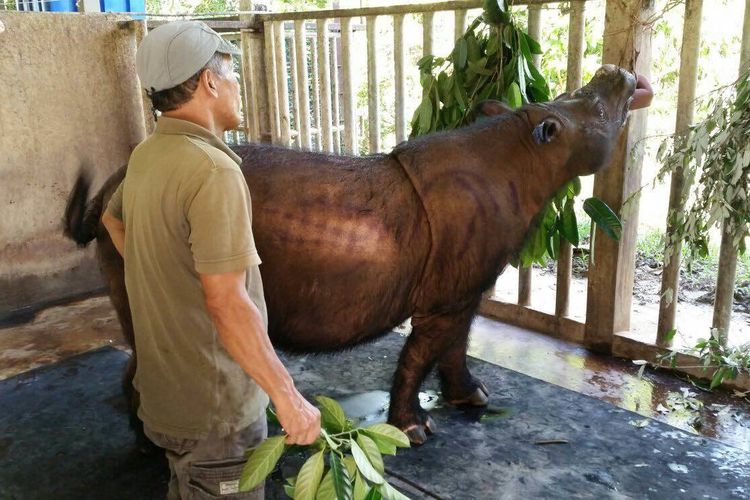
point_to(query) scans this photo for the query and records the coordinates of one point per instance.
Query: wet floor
(60, 332)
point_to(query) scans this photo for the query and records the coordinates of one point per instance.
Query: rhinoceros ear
(546, 131)
(492, 108)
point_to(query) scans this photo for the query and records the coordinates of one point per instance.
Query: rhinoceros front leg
(458, 385)
(432, 335)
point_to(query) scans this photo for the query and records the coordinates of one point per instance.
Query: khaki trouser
(209, 468)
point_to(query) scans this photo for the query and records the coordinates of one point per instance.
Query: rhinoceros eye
(601, 111)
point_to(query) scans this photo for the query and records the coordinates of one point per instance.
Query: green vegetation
(346, 462)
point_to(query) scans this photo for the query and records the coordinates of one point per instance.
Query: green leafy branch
(493, 59)
(716, 152)
(345, 463)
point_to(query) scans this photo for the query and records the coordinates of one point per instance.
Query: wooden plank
(459, 24)
(255, 22)
(373, 87)
(350, 127)
(390, 10)
(274, 115)
(282, 82)
(557, 326)
(627, 43)
(303, 92)
(324, 80)
(670, 282)
(400, 77)
(626, 347)
(428, 19)
(576, 25)
(315, 96)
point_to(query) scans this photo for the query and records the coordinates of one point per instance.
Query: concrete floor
(62, 331)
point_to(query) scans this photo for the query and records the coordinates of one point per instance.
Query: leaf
(360, 487)
(309, 477)
(341, 482)
(391, 493)
(388, 434)
(461, 53)
(670, 335)
(604, 217)
(261, 462)
(425, 115)
(718, 377)
(350, 465)
(569, 224)
(373, 494)
(332, 416)
(372, 452)
(513, 96)
(364, 465)
(326, 490)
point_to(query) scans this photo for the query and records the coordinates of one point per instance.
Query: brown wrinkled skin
(353, 246)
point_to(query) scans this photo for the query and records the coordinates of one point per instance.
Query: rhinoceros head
(580, 128)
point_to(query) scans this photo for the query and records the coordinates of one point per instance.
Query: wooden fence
(294, 95)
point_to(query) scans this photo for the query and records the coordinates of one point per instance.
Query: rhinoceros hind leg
(459, 386)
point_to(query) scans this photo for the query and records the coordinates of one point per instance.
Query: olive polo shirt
(186, 210)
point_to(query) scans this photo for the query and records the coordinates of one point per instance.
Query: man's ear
(208, 80)
(491, 108)
(546, 131)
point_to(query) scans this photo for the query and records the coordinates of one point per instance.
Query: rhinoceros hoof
(417, 433)
(480, 397)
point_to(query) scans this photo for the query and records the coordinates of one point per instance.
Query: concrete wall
(69, 98)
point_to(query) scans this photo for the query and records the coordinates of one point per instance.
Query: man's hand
(299, 420)
(643, 94)
(116, 230)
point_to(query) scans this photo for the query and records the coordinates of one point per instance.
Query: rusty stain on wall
(70, 99)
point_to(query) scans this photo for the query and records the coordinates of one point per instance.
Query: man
(182, 221)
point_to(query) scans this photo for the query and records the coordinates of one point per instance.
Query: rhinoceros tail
(81, 218)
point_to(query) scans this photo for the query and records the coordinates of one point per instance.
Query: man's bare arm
(243, 334)
(116, 230)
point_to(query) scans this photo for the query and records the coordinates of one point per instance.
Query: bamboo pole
(373, 90)
(282, 83)
(576, 27)
(728, 252)
(350, 126)
(303, 92)
(670, 282)
(324, 80)
(400, 77)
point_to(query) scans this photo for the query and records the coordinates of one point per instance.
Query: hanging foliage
(494, 60)
(716, 151)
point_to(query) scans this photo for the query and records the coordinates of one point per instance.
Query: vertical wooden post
(459, 24)
(303, 92)
(324, 80)
(728, 251)
(336, 84)
(525, 274)
(282, 82)
(295, 90)
(315, 96)
(627, 43)
(670, 281)
(373, 87)
(576, 27)
(140, 30)
(427, 23)
(351, 143)
(400, 83)
(274, 118)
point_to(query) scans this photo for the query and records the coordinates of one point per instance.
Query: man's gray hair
(171, 99)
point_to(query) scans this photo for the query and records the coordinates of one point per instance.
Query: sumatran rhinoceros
(353, 246)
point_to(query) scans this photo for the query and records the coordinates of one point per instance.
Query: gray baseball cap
(173, 52)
